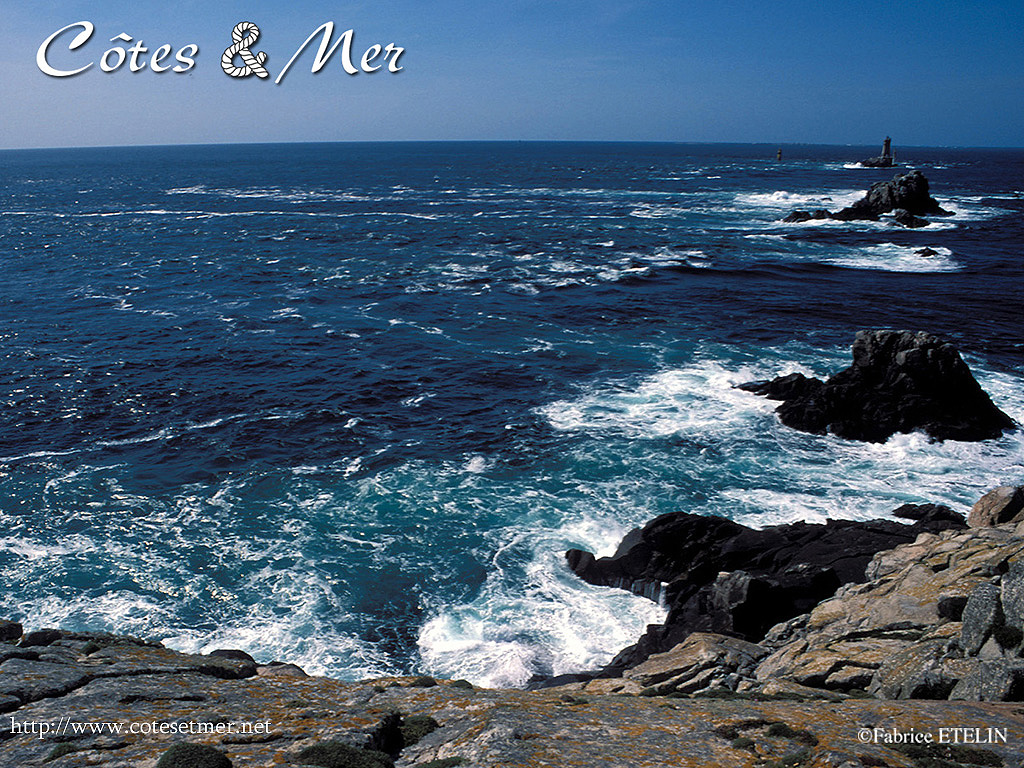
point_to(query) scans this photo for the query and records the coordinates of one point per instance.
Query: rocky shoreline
(847, 644)
(929, 639)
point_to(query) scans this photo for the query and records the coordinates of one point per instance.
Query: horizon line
(501, 141)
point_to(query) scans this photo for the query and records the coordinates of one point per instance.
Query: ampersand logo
(245, 34)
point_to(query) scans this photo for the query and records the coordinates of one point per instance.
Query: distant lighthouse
(884, 160)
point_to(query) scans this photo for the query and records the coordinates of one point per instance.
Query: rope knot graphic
(244, 36)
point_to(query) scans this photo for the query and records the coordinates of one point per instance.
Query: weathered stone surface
(281, 670)
(1011, 594)
(916, 672)
(1001, 505)
(30, 680)
(900, 381)
(601, 725)
(890, 631)
(997, 680)
(696, 663)
(982, 615)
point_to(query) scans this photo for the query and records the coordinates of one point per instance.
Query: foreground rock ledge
(900, 381)
(126, 681)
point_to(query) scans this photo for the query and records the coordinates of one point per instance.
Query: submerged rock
(799, 216)
(900, 381)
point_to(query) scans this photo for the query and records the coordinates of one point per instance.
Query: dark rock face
(907, 197)
(909, 192)
(909, 220)
(799, 216)
(10, 630)
(193, 756)
(899, 382)
(723, 577)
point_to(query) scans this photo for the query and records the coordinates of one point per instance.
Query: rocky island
(907, 198)
(900, 381)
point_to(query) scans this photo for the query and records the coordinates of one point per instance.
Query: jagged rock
(926, 252)
(916, 672)
(907, 219)
(723, 577)
(877, 162)
(892, 625)
(951, 607)
(909, 192)
(928, 512)
(484, 728)
(697, 662)
(997, 680)
(899, 382)
(983, 614)
(1011, 594)
(784, 387)
(1001, 505)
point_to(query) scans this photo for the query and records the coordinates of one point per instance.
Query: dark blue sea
(347, 404)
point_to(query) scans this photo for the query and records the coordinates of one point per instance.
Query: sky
(926, 73)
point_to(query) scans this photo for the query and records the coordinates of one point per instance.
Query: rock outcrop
(719, 576)
(909, 192)
(1004, 504)
(940, 617)
(160, 710)
(906, 197)
(900, 381)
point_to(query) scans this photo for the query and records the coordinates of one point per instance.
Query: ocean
(346, 405)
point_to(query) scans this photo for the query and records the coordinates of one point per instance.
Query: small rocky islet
(782, 646)
(907, 197)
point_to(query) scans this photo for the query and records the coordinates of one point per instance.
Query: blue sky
(926, 73)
